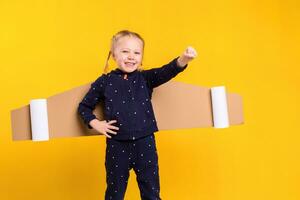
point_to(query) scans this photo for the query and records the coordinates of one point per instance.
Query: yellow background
(250, 46)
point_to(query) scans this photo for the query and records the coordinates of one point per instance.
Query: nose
(130, 56)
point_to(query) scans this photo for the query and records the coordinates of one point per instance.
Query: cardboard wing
(176, 106)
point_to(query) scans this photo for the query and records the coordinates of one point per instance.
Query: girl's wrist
(92, 122)
(181, 62)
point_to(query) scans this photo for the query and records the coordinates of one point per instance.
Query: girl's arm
(88, 103)
(157, 76)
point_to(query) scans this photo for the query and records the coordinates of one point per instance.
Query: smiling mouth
(130, 64)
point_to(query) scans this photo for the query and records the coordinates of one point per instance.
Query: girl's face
(128, 53)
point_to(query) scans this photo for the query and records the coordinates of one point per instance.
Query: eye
(137, 53)
(124, 51)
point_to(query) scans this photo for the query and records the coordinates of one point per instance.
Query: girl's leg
(146, 168)
(117, 169)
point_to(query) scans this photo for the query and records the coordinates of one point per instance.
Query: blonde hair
(114, 40)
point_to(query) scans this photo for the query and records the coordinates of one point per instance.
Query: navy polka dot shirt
(127, 99)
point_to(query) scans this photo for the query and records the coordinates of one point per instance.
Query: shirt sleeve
(158, 76)
(90, 100)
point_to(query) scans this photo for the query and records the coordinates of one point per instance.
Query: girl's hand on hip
(104, 127)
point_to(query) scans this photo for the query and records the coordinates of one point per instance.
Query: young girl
(129, 123)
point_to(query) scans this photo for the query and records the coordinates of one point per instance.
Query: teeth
(130, 64)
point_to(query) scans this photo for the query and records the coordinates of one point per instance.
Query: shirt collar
(118, 71)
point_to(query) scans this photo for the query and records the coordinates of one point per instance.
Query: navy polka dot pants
(139, 155)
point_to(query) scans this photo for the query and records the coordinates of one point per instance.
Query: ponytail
(106, 64)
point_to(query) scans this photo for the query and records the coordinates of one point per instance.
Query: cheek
(140, 58)
(119, 59)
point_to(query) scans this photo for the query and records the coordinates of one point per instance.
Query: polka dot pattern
(122, 156)
(128, 100)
